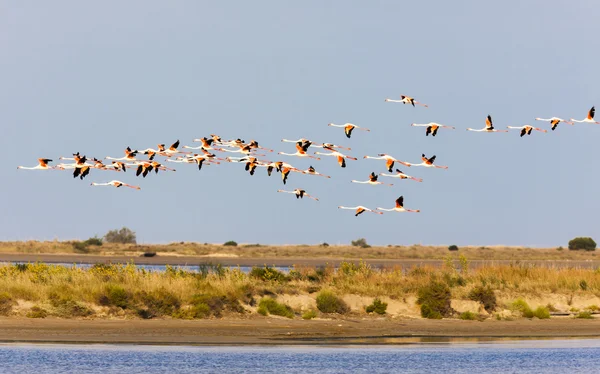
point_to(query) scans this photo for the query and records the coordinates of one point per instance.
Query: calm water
(533, 356)
(159, 268)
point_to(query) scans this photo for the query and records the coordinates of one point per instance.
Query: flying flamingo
(359, 209)
(341, 158)
(401, 175)
(372, 180)
(278, 166)
(432, 127)
(254, 144)
(158, 166)
(129, 156)
(143, 168)
(489, 127)
(554, 121)
(389, 160)
(428, 162)
(42, 165)
(300, 151)
(589, 118)
(526, 130)
(400, 207)
(330, 146)
(244, 149)
(312, 171)
(116, 184)
(348, 128)
(406, 100)
(299, 194)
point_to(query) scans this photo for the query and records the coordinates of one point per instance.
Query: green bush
(80, 247)
(157, 303)
(230, 243)
(268, 306)
(268, 274)
(585, 243)
(309, 314)
(521, 306)
(484, 295)
(377, 306)
(362, 242)
(66, 307)
(541, 312)
(469, 316)
(122, 236)
(328, 302)
(114, 295)
(94, 241)
(325, 244)
(435, 300)
(6, 304)
(584, 315)
(583, 285)
(36, 312)
(453, 248)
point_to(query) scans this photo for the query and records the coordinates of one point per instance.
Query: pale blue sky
(97, 77)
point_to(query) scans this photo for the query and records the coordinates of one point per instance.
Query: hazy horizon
(98, 77)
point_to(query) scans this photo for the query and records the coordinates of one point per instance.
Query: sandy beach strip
(280, 331)
(270, 261)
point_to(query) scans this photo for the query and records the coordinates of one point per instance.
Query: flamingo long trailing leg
(400, 207)
(254, 144)
(359, 209)
(589, 118)
(401, 175)
(526, 130)
(300, 151)
(348, 128)
(372, 180)
(42, 165)
(554, 121)
(427, 162)
(389, 160)
(406, 100)
(116, 183)
(299, 193)
(432, 127)
(489, 126)
(341, 158)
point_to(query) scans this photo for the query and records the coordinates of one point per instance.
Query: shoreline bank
(277, 331)
(270, 261)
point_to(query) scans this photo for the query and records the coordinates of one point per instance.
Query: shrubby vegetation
(121, 236)
(453, 248)
(124, 291)
(362, 242)
(584, 243)
(230, 243)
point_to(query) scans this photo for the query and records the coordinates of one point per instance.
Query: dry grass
(124, 290)
(331, 251)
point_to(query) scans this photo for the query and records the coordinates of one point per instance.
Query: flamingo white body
(428, 162)
(489, 126)
(554, 121)
(341, 158)
(589, 118)
(400, 207)
(116, 183)
(359, 209)
(401, 175)
(372, 181)
(389, 160)
(526, 130)
(299, 193)
(432, 127)
(42, 165)
(348, 128)
(300, 151)
(406, 100)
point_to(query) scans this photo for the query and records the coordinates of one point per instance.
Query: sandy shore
(271, 261)
(273, 331)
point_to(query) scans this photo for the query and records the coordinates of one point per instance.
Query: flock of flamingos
(249, 156)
